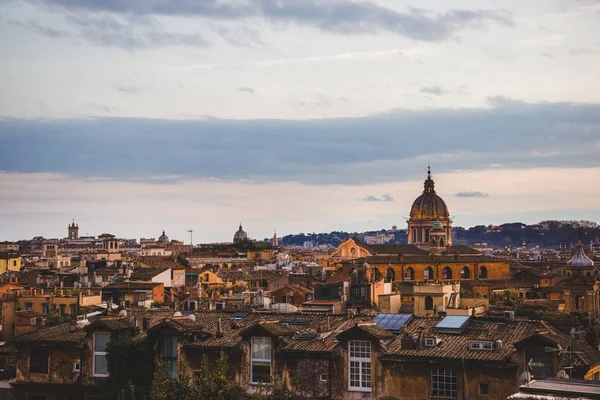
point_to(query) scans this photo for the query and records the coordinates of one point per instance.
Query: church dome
(240, 235)
(163, 238)
(579, 259)
(429, 205)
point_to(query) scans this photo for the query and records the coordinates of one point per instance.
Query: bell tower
(73, 231)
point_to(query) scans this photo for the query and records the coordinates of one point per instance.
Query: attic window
(431, 342)
(484, 345)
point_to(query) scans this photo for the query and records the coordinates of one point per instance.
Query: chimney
(109, 306)
(145, 323)
(219, 329)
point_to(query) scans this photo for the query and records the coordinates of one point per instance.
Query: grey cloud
(582, 51)
(245, 90)
(503, 101)
(127, 33)
(127, 89)
(34, 26)
(471, 194)
(547, 55)
(379, 148)
(342, 17)
(385, 197)
(435, 90)
(240, 36)
(101, 107)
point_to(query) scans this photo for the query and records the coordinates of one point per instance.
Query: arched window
(375, 275)
(441, 242)
(433, 242)
(428, 273)
(390, 275)
(429, 303)
(465, 273)
(580, 303)
(409, 274)
(447, 273)
(483, 273)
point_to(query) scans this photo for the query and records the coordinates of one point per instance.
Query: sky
(134, 116)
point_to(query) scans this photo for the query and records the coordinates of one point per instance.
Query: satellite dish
(192, 317)
(122, 313)
(177, 314)
(441, 308)
(525, 377)
(562, 374)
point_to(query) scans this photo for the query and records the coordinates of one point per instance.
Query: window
(481, 345)
(73, 309)
(444, 383)
(260, 360)
(430, 342)
(465, 273)
(409, 274)
(428, 273)
(323, 377)
(484, 389)
(168, 354)
(63, 310)
(101, 340)
(483, 273)
(390, 275)
(429, 303)
(44, 308)
(359, 368)
(38, 361)
(28, 306)
(447, 273)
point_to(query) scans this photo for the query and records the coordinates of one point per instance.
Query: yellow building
(9, 261)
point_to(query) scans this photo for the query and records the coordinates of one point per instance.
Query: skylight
(392, 322)
(238, 315)
(453, 323)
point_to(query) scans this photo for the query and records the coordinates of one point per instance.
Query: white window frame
(357, 353)
(430, 342)
(98, 353)
(481, 345)
(252, 359)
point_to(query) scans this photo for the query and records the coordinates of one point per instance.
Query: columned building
(429, 213)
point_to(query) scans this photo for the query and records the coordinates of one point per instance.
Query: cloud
(582, 51)
(127, 89)
(240, 36)
(435, 90)
(340, 17)
(385, 197)
(244, 89)
(349, 56)
(128, 33)
(511, 134)
(471, 194)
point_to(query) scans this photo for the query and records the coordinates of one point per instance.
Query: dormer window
(260, 360)
(359, 366)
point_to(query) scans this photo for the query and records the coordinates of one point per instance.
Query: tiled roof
(233, 276)
(160, 262)
(133, 285)
(64, 334)
(147, 273)
(460, 249)
(407, 308)
(455, 345)
(394, 249)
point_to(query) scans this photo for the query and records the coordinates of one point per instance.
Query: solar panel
(307, 336)
(392, 322)
(295, 321)
(453, 322)
(239, 315)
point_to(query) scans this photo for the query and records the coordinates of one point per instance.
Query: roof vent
(177, 314)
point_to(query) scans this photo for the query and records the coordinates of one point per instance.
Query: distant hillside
(544, 234)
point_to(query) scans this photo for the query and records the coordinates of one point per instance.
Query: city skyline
(298, 116)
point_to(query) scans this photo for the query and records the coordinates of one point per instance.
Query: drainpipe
(464, 385)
